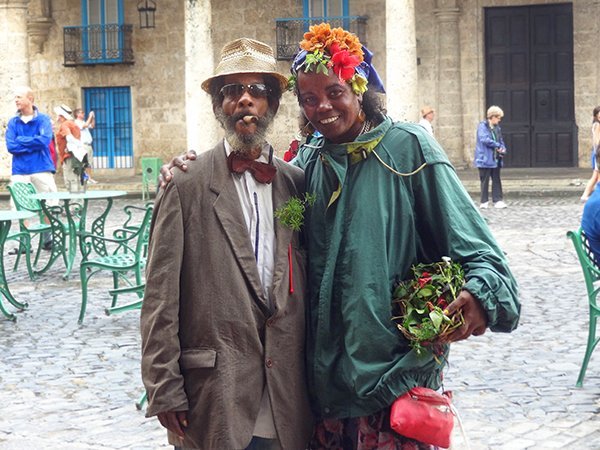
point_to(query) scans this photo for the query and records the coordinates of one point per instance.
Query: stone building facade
(427, 52)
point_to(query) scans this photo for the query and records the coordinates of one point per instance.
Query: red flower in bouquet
(424, 279)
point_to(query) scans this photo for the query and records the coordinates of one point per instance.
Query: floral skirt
(362, 433)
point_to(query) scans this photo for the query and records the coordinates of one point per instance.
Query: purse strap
(462, 428)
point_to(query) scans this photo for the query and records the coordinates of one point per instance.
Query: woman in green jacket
(386, 198)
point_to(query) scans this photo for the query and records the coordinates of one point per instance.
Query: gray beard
(245, 143)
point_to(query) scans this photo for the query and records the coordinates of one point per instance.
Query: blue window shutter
(113, 142)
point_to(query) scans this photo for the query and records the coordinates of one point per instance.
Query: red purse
(424, 415)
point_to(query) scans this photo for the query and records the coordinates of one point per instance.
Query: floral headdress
(324, 48)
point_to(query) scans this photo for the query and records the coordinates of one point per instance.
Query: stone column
(401, 60)
(14, 66)
(449, 120)
(199, 65)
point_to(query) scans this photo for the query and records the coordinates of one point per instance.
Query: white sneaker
(485, 205)
(500, 205)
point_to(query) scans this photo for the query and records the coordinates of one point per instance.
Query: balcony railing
(98, 44)
(291, 31)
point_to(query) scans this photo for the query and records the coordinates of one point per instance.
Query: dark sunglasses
(236, 90)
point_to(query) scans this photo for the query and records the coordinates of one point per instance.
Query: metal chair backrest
(591, 274)
(587, 261)
(21, 195)
(142, 243)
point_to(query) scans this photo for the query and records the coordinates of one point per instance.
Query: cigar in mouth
(250, 119)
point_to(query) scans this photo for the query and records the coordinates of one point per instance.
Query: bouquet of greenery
(419, 304)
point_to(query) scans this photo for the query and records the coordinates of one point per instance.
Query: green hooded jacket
(365, 231)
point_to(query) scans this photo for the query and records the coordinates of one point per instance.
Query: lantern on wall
(146, 8)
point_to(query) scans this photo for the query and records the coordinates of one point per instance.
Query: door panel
(113, 131)
(529, 74)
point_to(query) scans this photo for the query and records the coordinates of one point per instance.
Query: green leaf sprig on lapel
(291, 214)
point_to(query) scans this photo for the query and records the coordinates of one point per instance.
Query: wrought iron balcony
(98, 44)
(291, 31)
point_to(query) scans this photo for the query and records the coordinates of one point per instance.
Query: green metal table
(64, 239)
(6, 218)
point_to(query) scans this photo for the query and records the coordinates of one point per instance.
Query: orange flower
(316, 37)
(322, 36)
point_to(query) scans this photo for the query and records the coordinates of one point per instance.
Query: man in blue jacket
(28, 137)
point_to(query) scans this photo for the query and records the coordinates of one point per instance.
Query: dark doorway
(529, 74)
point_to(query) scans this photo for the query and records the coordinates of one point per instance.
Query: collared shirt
(257, 205)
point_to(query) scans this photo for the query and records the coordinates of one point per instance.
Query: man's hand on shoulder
(179, 162)
(174, 421)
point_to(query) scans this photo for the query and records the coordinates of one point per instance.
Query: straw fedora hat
(65, 111)
(426, 110)
(246, 56)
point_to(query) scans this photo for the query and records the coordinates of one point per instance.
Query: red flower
(344, 62)
(292, 151)
(425, 278)
(442, 303)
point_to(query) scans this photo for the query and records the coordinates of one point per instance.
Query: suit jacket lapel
(283, 235)
(229, 212)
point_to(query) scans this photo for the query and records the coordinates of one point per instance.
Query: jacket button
(269, 363)
(326, 410)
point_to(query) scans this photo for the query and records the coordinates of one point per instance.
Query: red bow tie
(262, 172)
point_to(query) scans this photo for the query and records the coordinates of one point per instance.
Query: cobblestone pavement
(64, 386)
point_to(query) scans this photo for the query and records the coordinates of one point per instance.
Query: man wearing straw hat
(68, 139)
(222, 320)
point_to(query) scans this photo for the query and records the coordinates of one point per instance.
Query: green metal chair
(23, 238)
(591, 274)
(150, 172)
(21, 196)
(128, 254)
(139, 290)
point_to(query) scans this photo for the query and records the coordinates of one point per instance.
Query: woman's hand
(474, 316)
(178, 161)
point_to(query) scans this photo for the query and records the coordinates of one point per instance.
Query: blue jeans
(256, 444)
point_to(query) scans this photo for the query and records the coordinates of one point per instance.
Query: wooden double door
(529, 74)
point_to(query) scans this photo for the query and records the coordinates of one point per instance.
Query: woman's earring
(361, 115)
(307, 129)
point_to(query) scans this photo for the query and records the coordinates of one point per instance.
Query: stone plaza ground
(71, 387)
